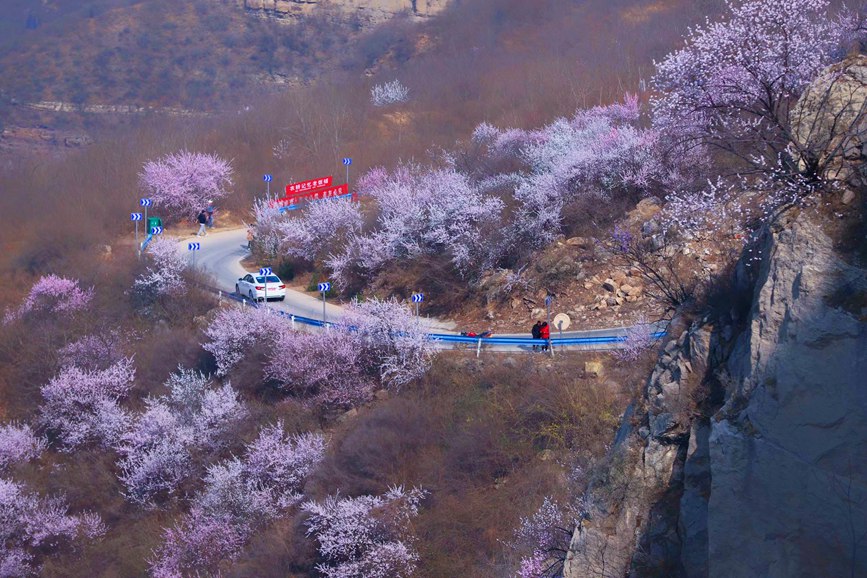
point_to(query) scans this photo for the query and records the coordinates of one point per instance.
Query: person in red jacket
(545, 333)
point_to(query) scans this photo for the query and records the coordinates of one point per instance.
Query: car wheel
(283, 298)
(237, 289)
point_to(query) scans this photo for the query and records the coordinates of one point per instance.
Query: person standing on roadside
(210, 211)
(536, 332)
(545, 333)
(203, 222)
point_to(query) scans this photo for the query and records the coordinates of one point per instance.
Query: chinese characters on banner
(295, 189)
(292, 202)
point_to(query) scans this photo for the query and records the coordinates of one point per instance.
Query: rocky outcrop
(829, 122)
(762, 471)
(632, 522)
(372, 10)
(787, 450)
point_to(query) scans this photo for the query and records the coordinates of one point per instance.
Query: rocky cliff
(370, 10)
(747, 454)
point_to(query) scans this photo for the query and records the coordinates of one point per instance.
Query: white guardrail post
(479, 348)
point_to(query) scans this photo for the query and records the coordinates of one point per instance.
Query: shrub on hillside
(392, 92)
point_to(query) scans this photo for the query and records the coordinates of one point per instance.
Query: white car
(253, 287)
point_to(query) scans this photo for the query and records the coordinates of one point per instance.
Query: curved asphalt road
(221, 254)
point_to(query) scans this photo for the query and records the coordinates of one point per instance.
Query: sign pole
(548, 299)
(264, 272)
(324, 288)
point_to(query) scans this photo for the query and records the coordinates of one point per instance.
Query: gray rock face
(829, 121)
(787, 451)
(633, 525)
(374, 10)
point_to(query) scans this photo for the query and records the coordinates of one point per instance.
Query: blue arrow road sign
(347, 161)
(417, 297)
(324, 287)
(268, 178)
(145, 202)
(265, 271)
(135, 217)
(156, 230)
(194, 246)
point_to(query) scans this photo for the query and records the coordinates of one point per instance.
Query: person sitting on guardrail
(545, 333)
(484, 334)
(536, 332)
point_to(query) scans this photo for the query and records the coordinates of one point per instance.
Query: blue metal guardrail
(449, 338)
(147, 240)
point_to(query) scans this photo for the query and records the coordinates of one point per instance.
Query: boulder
(609, 285)
(593, 368)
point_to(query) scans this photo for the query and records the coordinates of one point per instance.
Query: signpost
(136, 217)
(417, 298)
(145, 203)
(346, 162)
(193, 248)
(324, 288)
(561, 322)
(264, 272)
(268, 179)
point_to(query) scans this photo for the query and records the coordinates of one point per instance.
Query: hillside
(697, 190)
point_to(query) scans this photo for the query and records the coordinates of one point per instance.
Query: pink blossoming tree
(236, 330)
(367, 536)
(182, 183)
(93, 352)
(156, 449)
(32, 525)
(546, 534)
(81, 406)
(427, 212)
(53, 295)
(18, 443)
(165, 273)
(639, 339)
(322, 228)
(734, 85)
(391, 340)
(239, 496)
(327, 367)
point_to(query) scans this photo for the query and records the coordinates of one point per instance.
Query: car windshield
(271, 279)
